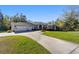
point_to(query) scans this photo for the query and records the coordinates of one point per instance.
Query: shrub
(9, 31)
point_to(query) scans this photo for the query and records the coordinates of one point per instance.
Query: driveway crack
(73, 50)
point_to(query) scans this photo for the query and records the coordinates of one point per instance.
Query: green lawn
(69, 36)
(20, 45)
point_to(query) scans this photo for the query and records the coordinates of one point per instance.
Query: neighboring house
(23, 26)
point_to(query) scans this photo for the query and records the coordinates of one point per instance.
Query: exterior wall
(51, 27)
(17, 27)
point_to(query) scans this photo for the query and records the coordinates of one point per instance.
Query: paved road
(55, 46)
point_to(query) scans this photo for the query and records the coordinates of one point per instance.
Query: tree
(1, 21)
(51, 23)
(71, 20)
(1, 17)
(19, 18)
(59, 23)
(6, 22)
(22, 18)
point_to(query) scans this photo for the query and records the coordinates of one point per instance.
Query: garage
(21, 26)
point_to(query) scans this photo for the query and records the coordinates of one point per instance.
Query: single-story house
(27, 26)
(23, 26)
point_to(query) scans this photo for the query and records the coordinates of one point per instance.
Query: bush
(76, 29)
(43, 30)
(9, 31)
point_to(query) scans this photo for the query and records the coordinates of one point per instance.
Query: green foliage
(69, 21)
(1, 21)
(1, 17)
(6, 23)
(19, 18)
(59, 23)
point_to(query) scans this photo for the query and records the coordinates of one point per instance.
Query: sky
(38, 13)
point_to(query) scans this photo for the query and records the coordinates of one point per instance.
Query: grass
(68, 36)
(20, 45)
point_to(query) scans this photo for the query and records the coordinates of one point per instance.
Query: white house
(27, 26)
(22, 26)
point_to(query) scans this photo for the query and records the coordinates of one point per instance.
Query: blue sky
(41, 13)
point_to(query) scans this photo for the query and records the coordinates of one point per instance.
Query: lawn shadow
(25, 31)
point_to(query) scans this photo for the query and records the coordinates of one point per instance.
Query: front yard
(68, 36)
(20, 45)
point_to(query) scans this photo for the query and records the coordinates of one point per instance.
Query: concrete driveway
(55, 46)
